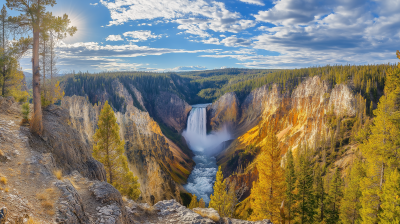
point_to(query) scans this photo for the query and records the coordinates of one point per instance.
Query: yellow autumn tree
(218, 198)
(194, 203)
(268, 192)
(109, 150)
(202, 203)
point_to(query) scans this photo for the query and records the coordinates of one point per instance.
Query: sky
(186, 35)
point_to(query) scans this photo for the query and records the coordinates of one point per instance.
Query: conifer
(194, 203)
(351, 204)
(381, 147)
(218, 198)
(334, 198)
(305, 210)
(390, 197)
(320, 195)
(269, 191)
(109, 150)
(290, 177)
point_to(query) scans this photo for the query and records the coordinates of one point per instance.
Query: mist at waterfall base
(202, 178)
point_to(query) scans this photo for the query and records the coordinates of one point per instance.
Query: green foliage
(290, 179)
(305, 210)
(334, 198)
(351, 204)
(25, 111)
(186, 198)
(109, 150)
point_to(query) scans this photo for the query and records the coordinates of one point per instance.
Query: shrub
(3, 180)
(25, 110)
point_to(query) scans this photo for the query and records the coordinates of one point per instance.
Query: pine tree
(351, 204)
(231, 199)
(194, 203)
(320, 195)
(109, 150)
(334, 198)
(218, 198)
(202, 204)
(268, 192)
(381, 147)
(305, 210)
(390, 197)
(290, 177)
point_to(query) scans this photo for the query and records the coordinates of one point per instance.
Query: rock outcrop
(172, 110)
(147, 149)
(223, 112)
(65, 144)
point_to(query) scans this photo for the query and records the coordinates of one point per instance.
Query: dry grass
(73, 183)
(32, 221)
(1, 153)
(47, 199)
(3, 180)
(205, 215)
(58, 174)
(124, 198)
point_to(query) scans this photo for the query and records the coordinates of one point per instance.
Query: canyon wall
(160, 166)
(301, 117)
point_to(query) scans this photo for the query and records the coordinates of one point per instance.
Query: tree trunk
(3, 89)
(36, 126)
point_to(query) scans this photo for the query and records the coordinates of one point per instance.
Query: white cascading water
(201, 180)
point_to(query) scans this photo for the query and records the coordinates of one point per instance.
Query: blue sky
(182, 35)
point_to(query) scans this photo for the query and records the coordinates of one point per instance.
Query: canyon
(174, 148)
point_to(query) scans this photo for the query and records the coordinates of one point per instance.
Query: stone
(3, 215)
(106, 193)
(70, 206)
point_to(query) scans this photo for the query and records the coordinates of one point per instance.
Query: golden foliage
(268, 191)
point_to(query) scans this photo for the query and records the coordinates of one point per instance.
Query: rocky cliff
(223, 112)
(300, 118)
(172, 110)
(160, 166)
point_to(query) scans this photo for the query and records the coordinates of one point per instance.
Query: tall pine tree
(218, 198)
(305, 210)
(109, 150)
(350, 205)
(290, 177)
(381, 147)
(320, 195)
(269, 191)
(334, 198)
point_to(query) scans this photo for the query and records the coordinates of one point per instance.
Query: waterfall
(197, 122)
(202, 178)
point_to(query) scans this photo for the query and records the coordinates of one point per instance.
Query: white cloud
(254, 2)
(233, 41)
(141, 35)
(94, 3)
(114, 38)
(194, 16)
